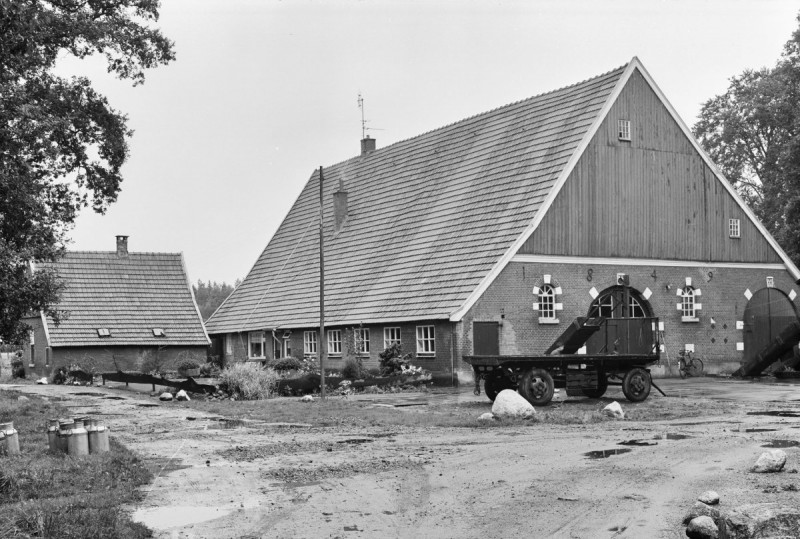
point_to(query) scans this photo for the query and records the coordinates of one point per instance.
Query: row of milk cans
(77, 436)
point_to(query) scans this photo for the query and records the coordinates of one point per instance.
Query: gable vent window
(103, 332)
(158, 332)
(624, 129)
(734, 228)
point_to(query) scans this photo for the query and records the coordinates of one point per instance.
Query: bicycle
(688, 365)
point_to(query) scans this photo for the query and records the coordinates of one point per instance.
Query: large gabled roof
(128, 295)
(428, 220)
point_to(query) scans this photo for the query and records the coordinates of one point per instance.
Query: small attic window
(734, 228)
(624, 129)
(158, 332)
(103, 332)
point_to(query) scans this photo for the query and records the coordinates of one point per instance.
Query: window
(228, 345)
(734, 228)
(609, 304)
(335, 342)
(391, 336)
(426, 340)
(624, 127)
(256, 344)
(547, 302)
(687, 304)
(362, 341)
(158, 332)
(309, 343)
(32, 340)
(103, 332)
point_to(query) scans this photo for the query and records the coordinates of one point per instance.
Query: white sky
(263, 92)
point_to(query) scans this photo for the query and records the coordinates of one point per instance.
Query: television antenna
(364, 127)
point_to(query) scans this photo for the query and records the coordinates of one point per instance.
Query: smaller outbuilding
(123, 311)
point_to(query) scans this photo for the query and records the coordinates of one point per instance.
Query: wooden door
(486, 338)
(614, 303)
(768, 313)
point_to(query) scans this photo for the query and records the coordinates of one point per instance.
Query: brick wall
(510, 300)
(111, 358)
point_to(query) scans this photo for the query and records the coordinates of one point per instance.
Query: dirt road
(260, 479)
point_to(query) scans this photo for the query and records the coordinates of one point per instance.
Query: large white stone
(488, 416)
(702, 528)
(307, 398)
(614, 410)
(709, 497)
(770, 461)
(509, 403)
(182, 396)
(165, 396)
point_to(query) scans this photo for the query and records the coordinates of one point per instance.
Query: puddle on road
(605, 453)
(671, 436)
(177, 516)
(782, 443)
(87, 394)
(777, 413)
(637, 443)
(115, 398)
(223, 423)
(148, 405)
(760, 430)
(406, 404)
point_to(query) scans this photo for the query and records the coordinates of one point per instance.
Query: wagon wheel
(636, 384)
(602, 387)
(493, 385)
(697, 367)
(536, 385)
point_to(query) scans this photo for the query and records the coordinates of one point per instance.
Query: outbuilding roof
(428, 218)
(128, 297)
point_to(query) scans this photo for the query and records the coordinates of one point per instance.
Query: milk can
(98, 437)
(9, 439)
(52, 434)
(64, 430)
(78, 439)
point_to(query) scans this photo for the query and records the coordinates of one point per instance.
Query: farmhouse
(122, 309)
(491, 234)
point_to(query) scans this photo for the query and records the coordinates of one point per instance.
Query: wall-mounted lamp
(667, 287)
(713, 322)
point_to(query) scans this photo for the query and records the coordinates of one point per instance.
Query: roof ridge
(129, 253)
(484, 113)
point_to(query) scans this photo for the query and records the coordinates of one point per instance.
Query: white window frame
(688, 311)
(228, 344)
(624, 129)
(334, 343)
(547, 303)
(426, 340)
(310, 343)
(734, 228)
(361, 336)
(391, 335)
(256, 337)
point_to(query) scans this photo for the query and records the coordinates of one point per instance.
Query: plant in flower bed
(249, 381)
(393, 360)
(48, 494)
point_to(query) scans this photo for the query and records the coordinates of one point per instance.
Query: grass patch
(49, 494)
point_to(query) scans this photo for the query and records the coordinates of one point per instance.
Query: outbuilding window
(734, 228)
(309, 343)
(391, 336)
(361, 337)
(426, 340)
(335, 342)
(624, 128)
(255, 347)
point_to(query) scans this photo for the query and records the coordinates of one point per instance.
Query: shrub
(286, 364)
(188, 364)
(210, 369)
(249, 381)
(392, 360)
(353, 369)
(149, 363)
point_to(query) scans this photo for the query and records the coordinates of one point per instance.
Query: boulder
(614, 410)
(762, 520)
(42, 381)
(702, 528)
(509, 403)
(770, 461)
(182, 396)
(709, 497)
(488, 416)
(307, 398)
(699, 509)
(165, 396)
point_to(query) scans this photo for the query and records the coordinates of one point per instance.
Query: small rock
(488, 416)
(709, 497)
(699, 509)
(307, 398)
(165, 397)
(614, 410)
(509, 403)
(23, 398)
(702, 528)
(42, 381)
(770, 461)
(182, 396)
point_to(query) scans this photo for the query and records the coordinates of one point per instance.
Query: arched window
(688, 303)
(547, 302)
(609, 304)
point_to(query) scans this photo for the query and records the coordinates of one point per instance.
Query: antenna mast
(363, 121)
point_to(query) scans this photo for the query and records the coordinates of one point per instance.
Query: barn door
(609, 304)
(768, 313)
(486, 338)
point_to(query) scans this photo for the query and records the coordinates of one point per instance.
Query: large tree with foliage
(210, 295)
(61, 144)
(751, 132)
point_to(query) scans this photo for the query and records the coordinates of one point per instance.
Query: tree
(209, 296)
(751, 131)
(61, 144)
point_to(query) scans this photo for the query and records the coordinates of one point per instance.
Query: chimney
(367, 145)
(339, 207)
(122, 246)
